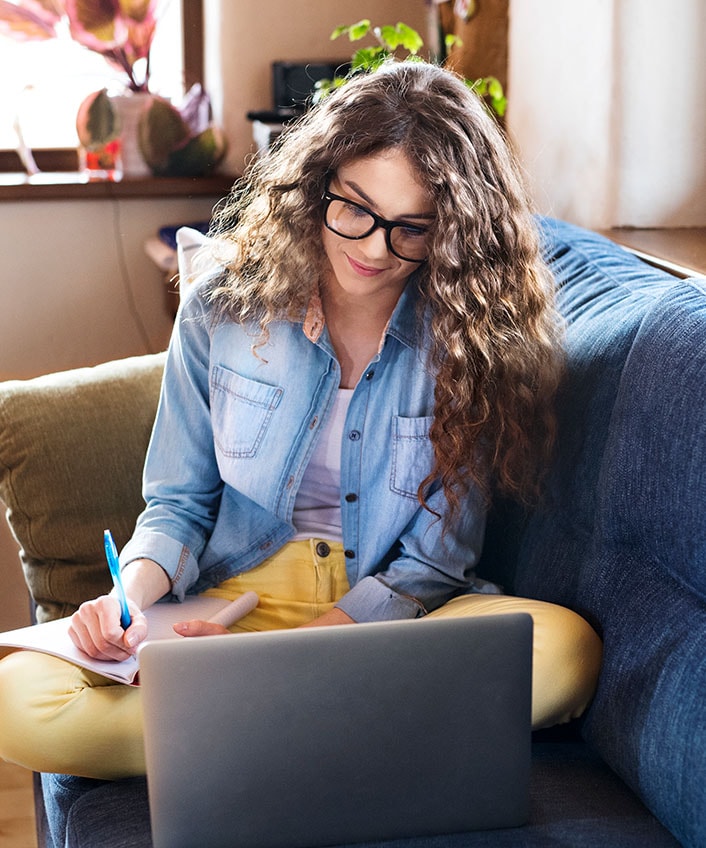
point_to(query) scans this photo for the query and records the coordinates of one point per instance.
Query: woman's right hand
(95, 629)
(95, 626)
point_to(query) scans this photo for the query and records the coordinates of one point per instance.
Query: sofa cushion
(646, 581)
(603, 294)
(654, 496)
(72, 446)
(574, 800)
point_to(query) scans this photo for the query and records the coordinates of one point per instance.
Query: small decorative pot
(108, 129)
(130, 107)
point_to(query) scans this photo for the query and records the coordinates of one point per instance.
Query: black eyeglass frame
(378, 223)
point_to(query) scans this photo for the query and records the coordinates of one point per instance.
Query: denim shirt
(235, 429)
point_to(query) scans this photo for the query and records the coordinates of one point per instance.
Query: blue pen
(111, 554)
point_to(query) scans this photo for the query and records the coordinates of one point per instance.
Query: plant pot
(130, 107)
(108, 129)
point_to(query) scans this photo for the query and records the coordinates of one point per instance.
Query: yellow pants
(57, 717)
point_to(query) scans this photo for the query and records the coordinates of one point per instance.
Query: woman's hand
(95, 626)
(95, 629)
(333, 616)
(196, 627)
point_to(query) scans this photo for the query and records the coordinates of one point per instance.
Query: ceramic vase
(130, 108)
(108, 127)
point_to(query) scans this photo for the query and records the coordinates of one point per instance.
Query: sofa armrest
(623, 540)
(72, 446)
(648, 585)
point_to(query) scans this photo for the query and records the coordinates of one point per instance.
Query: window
(42, 83)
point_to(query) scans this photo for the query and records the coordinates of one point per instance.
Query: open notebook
(53, 637)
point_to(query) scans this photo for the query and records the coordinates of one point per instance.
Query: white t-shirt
(317, 509)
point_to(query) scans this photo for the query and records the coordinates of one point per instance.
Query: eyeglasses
(350, 220)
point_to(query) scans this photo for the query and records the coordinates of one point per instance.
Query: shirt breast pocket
(412, 454)
(241, 410)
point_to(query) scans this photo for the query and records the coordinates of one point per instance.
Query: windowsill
(72, 185)
(679, 250)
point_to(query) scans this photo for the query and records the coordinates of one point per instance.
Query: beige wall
(76, 286)
(606, 109)
(245, 37)
(661, 139)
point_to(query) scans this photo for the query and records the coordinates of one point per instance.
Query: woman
(378, 357)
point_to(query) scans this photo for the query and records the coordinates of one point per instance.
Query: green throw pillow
(72, 446)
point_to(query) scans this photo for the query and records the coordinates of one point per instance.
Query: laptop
(336, 735)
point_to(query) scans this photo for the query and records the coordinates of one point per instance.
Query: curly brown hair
(495, 332)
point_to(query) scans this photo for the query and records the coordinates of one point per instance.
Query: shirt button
(322, 549)
(354, 435)
(351, 497)
(349, 554)
(370, 375)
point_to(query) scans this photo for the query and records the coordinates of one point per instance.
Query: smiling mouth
(363, 270)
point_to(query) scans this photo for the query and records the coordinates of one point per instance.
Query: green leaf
(198, 157)
(97, 122)
(490, 88)
(499, 105)
(495, 88)
(451, 41)
(389, 36)
(359, 30)
(161, 130)
(400, 35)
(368, 58)
(410, 39)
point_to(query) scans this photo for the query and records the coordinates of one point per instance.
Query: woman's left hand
(333, 616)
(196, 627)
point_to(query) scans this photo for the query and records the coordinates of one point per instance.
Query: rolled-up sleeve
(433, 564)
(372, 600)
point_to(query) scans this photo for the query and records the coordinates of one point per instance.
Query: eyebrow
(422, 216)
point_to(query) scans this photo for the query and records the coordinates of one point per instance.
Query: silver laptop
(328, 736)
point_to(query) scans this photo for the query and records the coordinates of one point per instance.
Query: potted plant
(152, 135)
(405, 43)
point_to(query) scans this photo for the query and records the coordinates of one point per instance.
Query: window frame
(66, 159)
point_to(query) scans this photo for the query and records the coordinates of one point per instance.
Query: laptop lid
(335, 735)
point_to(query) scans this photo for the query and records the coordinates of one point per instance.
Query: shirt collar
(314, 320)
(402, 325)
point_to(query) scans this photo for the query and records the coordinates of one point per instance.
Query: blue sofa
(621, 538)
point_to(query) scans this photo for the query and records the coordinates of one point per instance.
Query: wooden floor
(16, 807)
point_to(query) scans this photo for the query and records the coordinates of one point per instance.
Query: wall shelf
(70, 185)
